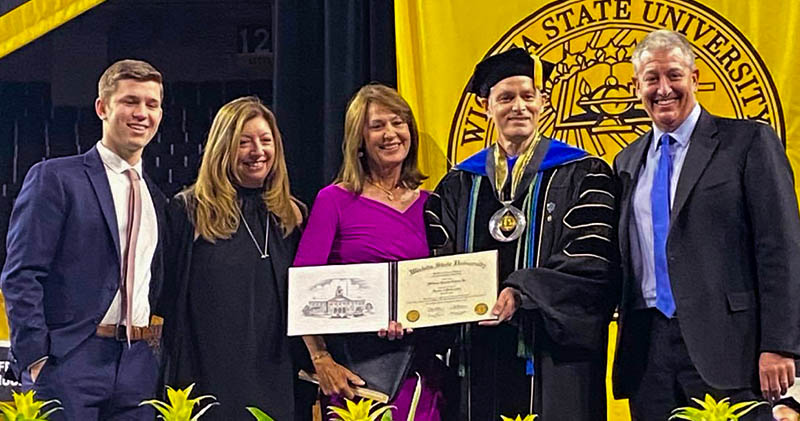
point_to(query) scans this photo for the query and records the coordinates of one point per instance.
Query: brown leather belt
(137, 333)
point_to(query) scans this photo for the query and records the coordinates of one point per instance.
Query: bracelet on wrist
(320, 355)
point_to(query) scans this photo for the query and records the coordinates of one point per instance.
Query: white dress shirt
(146, 243)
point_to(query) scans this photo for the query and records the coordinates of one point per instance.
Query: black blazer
(733, 250)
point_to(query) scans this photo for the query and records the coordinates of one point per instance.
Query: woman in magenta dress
(373, 213)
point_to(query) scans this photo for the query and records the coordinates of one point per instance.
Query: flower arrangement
(711, 410)
(367, 410)
(180, 407)
(26, 408)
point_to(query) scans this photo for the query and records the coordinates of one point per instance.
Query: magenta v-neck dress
(348, 228)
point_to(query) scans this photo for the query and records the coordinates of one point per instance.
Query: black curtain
(9, 5)
(324, 52)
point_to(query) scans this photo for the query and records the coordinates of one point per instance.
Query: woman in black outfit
(233, 236)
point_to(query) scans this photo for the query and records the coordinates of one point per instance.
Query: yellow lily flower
(179, 407)
(529, 417)
(27, 408)
(358, 411)
(711, 410)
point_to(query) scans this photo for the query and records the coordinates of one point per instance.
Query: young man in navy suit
(84, 264)
(710, 244)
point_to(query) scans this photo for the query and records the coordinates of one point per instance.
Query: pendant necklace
(509, 222)
(387, 192)
(263, 254)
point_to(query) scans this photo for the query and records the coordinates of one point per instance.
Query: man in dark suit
(710, 244)
(84, 263)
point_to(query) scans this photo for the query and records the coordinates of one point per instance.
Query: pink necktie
(129, 260)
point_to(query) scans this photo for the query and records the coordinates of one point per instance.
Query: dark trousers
(102, 379)
(670, 379)
(567, 385)
(569, 388)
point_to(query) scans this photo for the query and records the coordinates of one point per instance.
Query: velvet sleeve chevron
(588, 225)
(574, 285)
(578, 234)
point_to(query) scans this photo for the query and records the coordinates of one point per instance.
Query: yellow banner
(746, 59)
(35, 18)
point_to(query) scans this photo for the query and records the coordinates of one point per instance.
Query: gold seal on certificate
(412, 316)
(481, 309)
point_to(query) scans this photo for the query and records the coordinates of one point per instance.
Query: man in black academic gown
(548, 208)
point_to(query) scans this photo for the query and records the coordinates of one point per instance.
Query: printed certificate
(418, 293)
(446, 290)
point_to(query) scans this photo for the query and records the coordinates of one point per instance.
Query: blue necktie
(660, 207)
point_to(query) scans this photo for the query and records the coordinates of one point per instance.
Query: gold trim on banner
(35, 18)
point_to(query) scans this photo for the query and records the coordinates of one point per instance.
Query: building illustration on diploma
(342, 304)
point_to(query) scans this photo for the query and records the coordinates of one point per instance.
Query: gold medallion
(481, 309)
(507, 224)
(412, 316)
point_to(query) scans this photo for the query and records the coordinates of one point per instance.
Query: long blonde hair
(212, 199)
(354, 170)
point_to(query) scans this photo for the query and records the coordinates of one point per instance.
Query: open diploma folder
(418, 293)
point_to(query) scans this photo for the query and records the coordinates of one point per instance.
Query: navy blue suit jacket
(63, 265)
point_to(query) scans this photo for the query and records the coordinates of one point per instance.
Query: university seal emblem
(590, 98)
